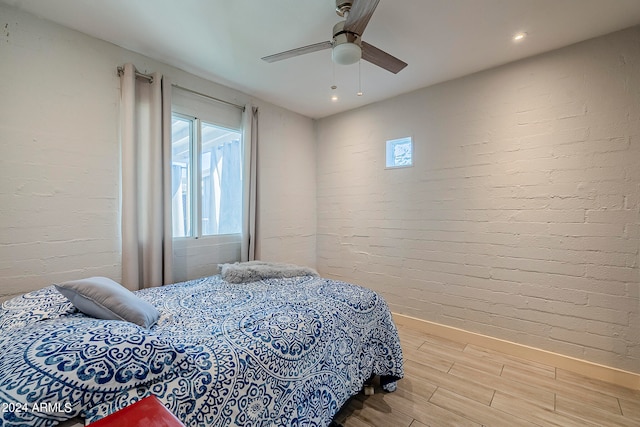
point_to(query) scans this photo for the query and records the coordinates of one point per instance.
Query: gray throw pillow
(103, 298)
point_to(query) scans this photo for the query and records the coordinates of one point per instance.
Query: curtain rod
(138, 74)
(150, 79)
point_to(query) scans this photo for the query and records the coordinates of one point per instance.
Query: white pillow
(103, 298)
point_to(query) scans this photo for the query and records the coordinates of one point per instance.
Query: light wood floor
(452, 384)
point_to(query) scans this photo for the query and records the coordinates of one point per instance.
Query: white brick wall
(287, 188)
(520, 218)
(59, 158)
(59, 162)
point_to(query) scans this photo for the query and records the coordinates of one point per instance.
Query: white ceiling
(223, 40)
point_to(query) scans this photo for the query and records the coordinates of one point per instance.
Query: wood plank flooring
(449, 383)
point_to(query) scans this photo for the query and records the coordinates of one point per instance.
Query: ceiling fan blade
(298, 51)
(359, 15)
(381, 58)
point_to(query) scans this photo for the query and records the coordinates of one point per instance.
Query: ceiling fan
(347, 45)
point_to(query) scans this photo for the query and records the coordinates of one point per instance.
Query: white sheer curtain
(250, 205)
(146, 180)
(222, 189)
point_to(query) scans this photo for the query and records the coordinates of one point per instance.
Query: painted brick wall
(287, 188)
(520, 218)
(59, 191)
(60, 166)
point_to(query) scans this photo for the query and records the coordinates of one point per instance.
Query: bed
(279, 351)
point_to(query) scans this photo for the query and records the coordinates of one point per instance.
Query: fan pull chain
(359, 78)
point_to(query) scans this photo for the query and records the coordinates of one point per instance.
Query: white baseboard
(588, 369)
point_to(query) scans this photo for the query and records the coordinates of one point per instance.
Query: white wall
(287, 219)
(59, 161)
(520, 218)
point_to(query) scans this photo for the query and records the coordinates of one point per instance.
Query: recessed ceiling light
(519, 37)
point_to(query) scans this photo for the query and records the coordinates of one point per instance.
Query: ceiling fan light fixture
(346, 53)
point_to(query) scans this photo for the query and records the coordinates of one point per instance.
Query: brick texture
(520, 218)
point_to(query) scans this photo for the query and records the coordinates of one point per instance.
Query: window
(206, 176)
(399, 153)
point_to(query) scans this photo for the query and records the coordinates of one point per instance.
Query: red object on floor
(147, 412)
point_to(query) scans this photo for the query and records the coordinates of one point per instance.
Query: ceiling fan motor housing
(340, 35)
(347, 47)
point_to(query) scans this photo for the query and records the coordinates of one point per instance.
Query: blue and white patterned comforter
(278, 352)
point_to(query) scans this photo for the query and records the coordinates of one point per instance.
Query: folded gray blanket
(252, 271)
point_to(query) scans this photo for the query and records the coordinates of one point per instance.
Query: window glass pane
(221, 180)
(399, 153)
(181, 142)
